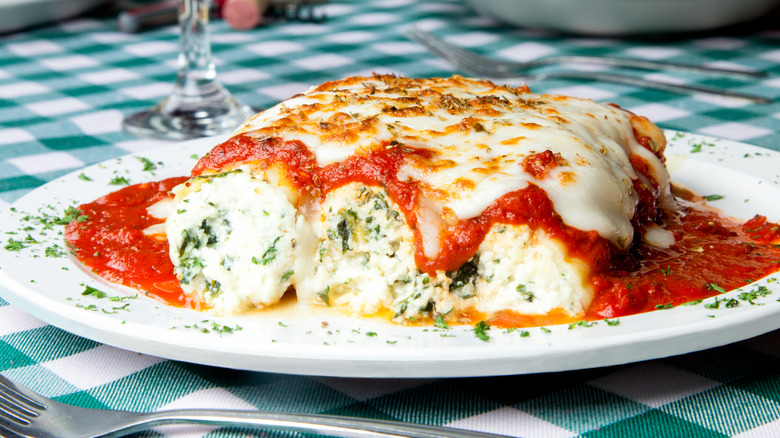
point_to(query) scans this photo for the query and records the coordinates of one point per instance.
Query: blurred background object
(20, 14)
(140, 15)
(149, 16)
(624, 17)
(238, 14)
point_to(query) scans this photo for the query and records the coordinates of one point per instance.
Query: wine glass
(199, 105)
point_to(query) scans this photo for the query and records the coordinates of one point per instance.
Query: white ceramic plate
(624, 17)
(300, 342)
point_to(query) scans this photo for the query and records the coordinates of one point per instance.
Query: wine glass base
(183, 125)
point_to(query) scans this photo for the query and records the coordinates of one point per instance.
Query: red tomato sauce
(711, 253)
(540, 164)
(113, 245)
(299, 162)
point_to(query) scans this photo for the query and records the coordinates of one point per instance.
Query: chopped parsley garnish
(439, 322)
(287, 275)
(713, 197)
(30, 239)
(14, 245)
(581, 323)
(751, 296)
(481, 329)
(119, 181)
(664, 306)
(54, 251)
(728, 303)
(612, 322)
(91, 307)
(84, 177)
(122, 298)
(713, 305)
(715, 287)
(71, 214)
(148, 165)
(116, 309)
(91, 291)
(220, 328)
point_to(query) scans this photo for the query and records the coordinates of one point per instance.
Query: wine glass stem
(196, 68)
(198, 105)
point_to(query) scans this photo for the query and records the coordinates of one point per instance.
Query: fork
(483, 66)
(26, 414)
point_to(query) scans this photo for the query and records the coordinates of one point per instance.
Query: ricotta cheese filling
(430, 158)
(233, 241)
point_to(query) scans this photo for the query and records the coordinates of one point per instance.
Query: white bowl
(623, 17)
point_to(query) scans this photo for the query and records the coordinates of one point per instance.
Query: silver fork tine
(644, 83)
(15, 412)
(508, 66)
(52, 419)
(651, 65)
(23, 395)
(470, 62)
(481, 66)
(15, 405)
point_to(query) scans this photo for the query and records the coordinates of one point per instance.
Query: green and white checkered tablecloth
(65, 88)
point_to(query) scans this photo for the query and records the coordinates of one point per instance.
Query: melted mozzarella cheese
(479, 134)
(160, 210)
